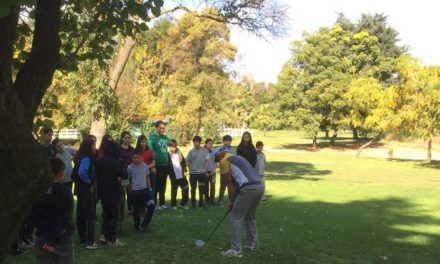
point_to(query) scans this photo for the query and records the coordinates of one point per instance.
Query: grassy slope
(323, 207)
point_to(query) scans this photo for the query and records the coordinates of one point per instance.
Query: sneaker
(19, 251)
(232, 253)
(28, 243)
(130, 213)
(164, 207)
(174, 208)
(250, 247)
(186, 207)
(117, 243)
(263, 198)
(92, 246)
(102, 238)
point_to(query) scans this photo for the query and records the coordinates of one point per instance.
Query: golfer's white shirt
(238, 175)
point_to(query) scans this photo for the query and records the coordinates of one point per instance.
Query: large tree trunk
(355, 133)
(315, 142)
(24, 172)
(429, 148)
(334, 136)
(98, 127)
(199, 122)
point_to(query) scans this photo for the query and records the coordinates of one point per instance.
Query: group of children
(117, 174)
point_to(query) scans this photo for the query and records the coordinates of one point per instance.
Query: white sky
(417, 22)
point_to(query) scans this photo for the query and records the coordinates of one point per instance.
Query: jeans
(210, 190)
(183, 184)
(200, 179)
(221, 192)
(142, 199)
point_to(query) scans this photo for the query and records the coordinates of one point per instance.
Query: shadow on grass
(390, 230)
(341, 144)
(280, 170)
(435, 164)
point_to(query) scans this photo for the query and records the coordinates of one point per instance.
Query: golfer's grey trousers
(245, 206)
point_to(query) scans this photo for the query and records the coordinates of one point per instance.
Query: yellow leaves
(360, 35)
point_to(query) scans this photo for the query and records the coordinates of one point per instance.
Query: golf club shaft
(218, 224)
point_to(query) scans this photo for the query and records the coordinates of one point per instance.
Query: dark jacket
(248, 152)
(171, 168)
(80, 184)
(52, 214)
(108, 170)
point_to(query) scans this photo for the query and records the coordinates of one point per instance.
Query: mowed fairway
(322, 207)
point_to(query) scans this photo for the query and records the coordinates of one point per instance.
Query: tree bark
(429, 148)
(327, 135)
(314, 143)
(355, 133)
(199, 122)
(334, 136)
(24, 172)
(98, 127)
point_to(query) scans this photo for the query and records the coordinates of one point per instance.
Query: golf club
(201, 243)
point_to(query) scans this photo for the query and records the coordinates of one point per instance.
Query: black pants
(129, 201)
(200, 179)
(183, 184)
(210, 190)
(142, 199)
(161, 183)
(221, 192)
(26, 231)
(69, 184)
(110, 217)
(85, 216)
(121, 205)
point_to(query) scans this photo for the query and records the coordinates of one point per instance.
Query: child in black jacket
(52, 216)
(109, 174)
(177, 168)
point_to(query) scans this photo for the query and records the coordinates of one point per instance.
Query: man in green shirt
(158, 143)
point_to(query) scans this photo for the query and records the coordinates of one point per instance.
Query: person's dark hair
(158, 123)
(208, 140)
(172, 143)
(57, 165)
(56, 141)
(137, 151)
(47, 130)
(106, 138)
(123, 134)
(112, 149)
(247, 151)
(227, 138)
(250, 138)
(85, 149)
(139, 140)
(197, 138)
(259, 144)
(92, 137)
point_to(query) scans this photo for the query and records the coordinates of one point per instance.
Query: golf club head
(200, 243)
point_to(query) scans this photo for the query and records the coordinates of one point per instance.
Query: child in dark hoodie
(52, 216)
(109, 174)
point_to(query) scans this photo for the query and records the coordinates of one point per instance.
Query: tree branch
(8, 30)
(35, 75)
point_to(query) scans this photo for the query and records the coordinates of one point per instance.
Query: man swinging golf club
(244, 191)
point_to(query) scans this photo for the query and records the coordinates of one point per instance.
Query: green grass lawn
(322, 207)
